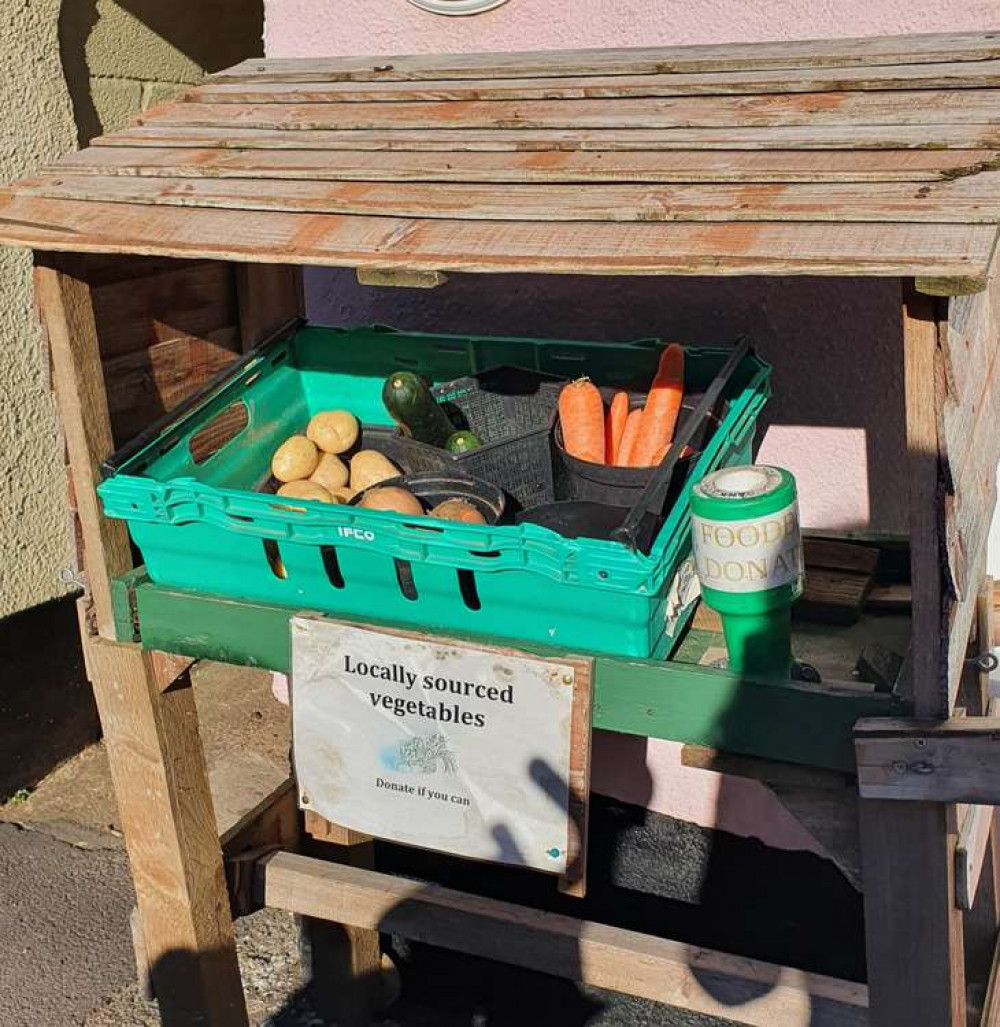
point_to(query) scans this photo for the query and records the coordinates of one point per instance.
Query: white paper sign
(434, 744)
(750, 555)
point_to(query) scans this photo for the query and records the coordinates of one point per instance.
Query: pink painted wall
(317, 28)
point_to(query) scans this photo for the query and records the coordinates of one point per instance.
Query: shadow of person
(77, 20)
(795, 910)
(464, 989)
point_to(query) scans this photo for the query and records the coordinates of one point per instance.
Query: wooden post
(345, 960)
(64, 302)
(913, 927)
(161, 784)
(920, 341)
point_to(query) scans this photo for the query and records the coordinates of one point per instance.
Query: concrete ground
(66, 893)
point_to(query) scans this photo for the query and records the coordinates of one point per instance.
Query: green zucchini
(412, 405)
(463, 442)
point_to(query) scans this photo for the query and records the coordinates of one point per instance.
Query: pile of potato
(310, 466)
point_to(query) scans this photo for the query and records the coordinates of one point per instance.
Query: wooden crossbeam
(741, 990)
(956, 760)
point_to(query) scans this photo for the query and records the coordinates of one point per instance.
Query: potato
(334, 431)
(305, 490)
(392, 498)
(331, 472)
(369, 468)
(344, 494)
(296, 458)
(457, 510)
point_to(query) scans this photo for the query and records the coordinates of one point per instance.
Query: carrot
(617, 416)
(663, 404)
(633, 426)
(581, 413)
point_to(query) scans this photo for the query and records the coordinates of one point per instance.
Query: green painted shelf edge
(779, 720)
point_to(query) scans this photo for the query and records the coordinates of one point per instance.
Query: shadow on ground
(47, 711)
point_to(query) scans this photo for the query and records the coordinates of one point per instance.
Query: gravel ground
(66, 898)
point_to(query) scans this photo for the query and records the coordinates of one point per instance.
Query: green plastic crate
(201, 527)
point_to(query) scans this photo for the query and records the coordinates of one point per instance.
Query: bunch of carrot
(619, 437)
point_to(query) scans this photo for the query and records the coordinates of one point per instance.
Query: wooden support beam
(976, 826)
(67, 312)
(916, 972)
(736, 989)
(272, 821)
(269, 296)
(920, 340)
(346, 968)
(400, 278)
(955, 760)
(981, 922)
(951, 286)
(161, 784)
(974, 832)
(982, 918)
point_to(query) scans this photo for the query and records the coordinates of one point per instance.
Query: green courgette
(463, 442)
(412, 405)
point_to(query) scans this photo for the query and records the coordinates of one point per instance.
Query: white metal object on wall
(457, 7)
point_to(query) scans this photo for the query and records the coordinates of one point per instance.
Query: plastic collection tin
(748, 554)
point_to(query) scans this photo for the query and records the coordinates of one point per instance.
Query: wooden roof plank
(954, 75)
(798, 137)
(560, 162)
(972, 200)
(869, 52)
(957, 251)
(504, 167)
(906, 107)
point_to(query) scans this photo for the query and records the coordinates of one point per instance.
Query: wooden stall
(165, 250)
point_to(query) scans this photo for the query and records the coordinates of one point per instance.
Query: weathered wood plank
(161, 784)
(956, 75)
(146, 384)
(564, 167)
(851, 52)
(389, 279)
(190, 300)
(442, 139)
(912, 926)
(970, 429)
(970, 853)
(956, 760)
(976, 826)
(974, 200)
(67, 314)
(667, 248)
(913, 107)
(742, 990)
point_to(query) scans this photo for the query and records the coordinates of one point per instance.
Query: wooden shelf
(795, 722)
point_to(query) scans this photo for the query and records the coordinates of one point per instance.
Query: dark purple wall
(836, 416)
